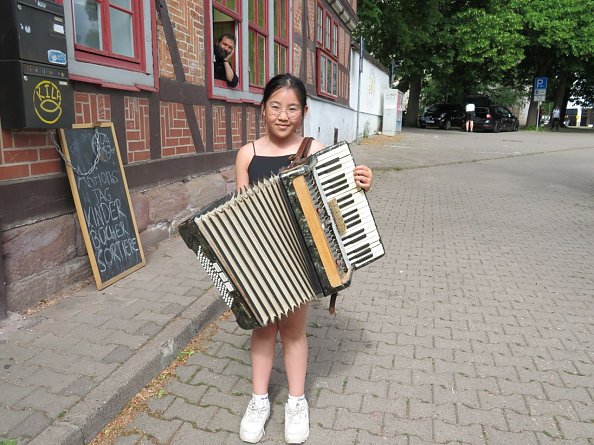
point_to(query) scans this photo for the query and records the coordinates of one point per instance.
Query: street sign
(540, 89)
(540, 83)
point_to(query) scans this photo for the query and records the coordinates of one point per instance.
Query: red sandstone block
(22, 155)
(46, 167)
(14, 171)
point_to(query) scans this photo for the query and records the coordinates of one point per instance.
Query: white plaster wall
(325, 116)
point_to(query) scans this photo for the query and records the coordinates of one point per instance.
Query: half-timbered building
(147, 66)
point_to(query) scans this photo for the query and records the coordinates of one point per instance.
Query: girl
(283, 109)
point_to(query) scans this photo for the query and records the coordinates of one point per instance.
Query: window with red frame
(109, 32)
(281, 37)
(327, 28)
(320, 26)
(258, 36)
(327, 41)
(328, 76)
(226, 18)
(334, 39)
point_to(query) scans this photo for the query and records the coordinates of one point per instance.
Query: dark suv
(495, 118)
(443, 116)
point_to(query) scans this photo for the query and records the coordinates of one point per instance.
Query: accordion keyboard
(334, 171)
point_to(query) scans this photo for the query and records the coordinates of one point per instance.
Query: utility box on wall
(34, 88)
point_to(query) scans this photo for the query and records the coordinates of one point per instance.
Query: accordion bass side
(282, 242)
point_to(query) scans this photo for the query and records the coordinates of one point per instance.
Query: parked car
(495, 118)
(443, 116)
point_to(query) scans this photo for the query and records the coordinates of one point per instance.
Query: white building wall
(325, 117)
(374, 82)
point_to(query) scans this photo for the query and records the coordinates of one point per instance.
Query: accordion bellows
(282, 242)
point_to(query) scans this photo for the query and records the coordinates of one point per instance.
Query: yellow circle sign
(47, 102)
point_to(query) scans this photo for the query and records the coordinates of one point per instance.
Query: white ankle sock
(259, 397)
(293, 400)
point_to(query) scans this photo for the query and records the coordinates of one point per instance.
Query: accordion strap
(302, 152)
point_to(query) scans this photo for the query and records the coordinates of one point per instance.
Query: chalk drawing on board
(102, 201)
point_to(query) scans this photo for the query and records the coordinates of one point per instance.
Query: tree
(559, 36)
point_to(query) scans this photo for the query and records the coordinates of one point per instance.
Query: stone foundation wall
(48, 257)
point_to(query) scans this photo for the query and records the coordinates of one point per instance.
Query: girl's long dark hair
(285, 81)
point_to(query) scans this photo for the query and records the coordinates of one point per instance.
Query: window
(226, 19)
(109, 32)
(327, 41)
(334, 39)
(265, 28)
(281, 37)
(258, 35)
(327, 26)
(320, 26)
(328, 77)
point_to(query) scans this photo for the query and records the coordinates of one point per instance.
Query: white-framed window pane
(87, 23)
(122, 35)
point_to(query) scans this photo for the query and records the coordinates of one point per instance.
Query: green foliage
(495, 47)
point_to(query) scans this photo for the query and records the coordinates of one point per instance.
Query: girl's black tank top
(265, 166)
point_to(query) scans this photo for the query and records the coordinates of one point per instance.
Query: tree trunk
(414, 94)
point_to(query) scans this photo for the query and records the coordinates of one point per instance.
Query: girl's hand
(363, 177)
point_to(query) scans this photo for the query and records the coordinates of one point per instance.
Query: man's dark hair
(229, 36)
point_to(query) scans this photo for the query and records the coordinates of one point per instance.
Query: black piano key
(328, 162)
(328, 182)
(330, 170)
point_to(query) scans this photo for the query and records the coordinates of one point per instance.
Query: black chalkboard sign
(102, 200)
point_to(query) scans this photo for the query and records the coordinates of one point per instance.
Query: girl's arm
(242, 161)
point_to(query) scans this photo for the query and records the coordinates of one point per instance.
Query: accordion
(284, 241)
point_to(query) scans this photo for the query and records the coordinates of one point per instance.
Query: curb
(88, 417)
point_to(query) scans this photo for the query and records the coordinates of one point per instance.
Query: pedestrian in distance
(223, 52)
(470, 110)
(284, 105)
(555, 118)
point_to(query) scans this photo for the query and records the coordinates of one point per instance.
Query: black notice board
(102, 200)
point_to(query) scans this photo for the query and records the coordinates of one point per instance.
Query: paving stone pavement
(477, 327)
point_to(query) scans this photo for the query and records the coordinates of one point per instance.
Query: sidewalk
(69, 369)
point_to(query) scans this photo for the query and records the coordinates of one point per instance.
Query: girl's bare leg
(292, 330)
